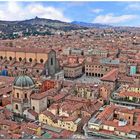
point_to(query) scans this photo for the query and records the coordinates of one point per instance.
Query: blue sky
(113, 13)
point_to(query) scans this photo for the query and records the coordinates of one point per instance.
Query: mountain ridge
(91, 25)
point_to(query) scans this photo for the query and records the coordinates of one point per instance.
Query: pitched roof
(110, 76)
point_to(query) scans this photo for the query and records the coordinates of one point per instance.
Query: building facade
(37, 61)
(72, 70)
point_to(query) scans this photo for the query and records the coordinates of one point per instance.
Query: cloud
(112, 19)
(133, 6)
(16, 11)
(98, 10)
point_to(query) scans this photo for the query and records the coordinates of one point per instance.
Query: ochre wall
(17, 55)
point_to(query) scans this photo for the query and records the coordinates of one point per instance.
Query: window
(33, 108)
(10, 58)
(129, 117)
(20, 59)
(30, 59)
(16, 106)
(17, 95)
(41, 60)
(15, 68)
(37, 71)
(25, 95)
(1, 57)
(51, 61)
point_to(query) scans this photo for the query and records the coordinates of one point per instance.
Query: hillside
(91, 25)
(36, 26)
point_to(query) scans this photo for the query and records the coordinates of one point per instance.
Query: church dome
(23, 81)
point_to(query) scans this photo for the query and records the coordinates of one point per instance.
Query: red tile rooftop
(32, 125)
(71, 118)
(70, 106)
(76, 99)
(25, 49)
(111, 123)
(39, 96)
(110, 76)
(16, 136)
(72, 65)
(106, 112)
(59, 96)
(51, 115)
(129, 94)
(35, 114)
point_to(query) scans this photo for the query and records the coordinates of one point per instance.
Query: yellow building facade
(61, 123)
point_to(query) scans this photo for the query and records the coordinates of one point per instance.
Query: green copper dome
(23, 81)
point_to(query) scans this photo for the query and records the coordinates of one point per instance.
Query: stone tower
(22, 89)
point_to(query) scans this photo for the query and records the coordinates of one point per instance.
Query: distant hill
(36, 26)
(91, 25)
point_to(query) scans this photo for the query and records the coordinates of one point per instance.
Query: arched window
(33, 108)
(20, 59)
(1, 57)
(51, 61)
(41, 60)
(17, 95)
(10, 58)
(25, 95)
(15, 68)
(16, 106)
(30, 59)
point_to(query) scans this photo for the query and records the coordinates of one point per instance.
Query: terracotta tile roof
(16, 136)
(76, 99)
(66, 134)
(8, 114)
(4, 91)
(92, 107)
(106, 112)
(35, 114)
(111, 123)
(59, 96)
(123, 78)
(32, 125)
(54, 106)
(72, 65)
(70, 106)
(129, 94)
(51, 115)
(71, 118)
(126, 129)
(25, 49)
(111, 76)
(39, 96)
(13, 125)
(6, 134)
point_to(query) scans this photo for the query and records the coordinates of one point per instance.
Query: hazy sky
(114, 13)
